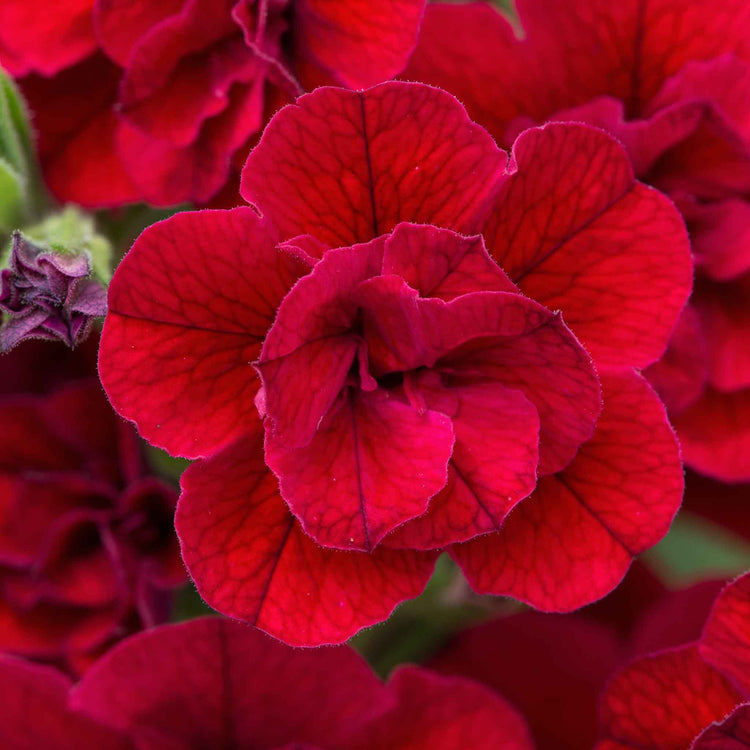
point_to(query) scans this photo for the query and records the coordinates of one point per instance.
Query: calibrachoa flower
(693, 696)
(159, 100)
(554, 667)
(412, 391)
(48, 295)
(214, 683)
(672, 83)
(87, 550)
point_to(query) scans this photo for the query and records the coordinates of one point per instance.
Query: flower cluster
(427, 301)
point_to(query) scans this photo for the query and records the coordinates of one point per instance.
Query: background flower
(87, 550)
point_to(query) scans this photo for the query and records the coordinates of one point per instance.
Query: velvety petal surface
(373, 464)
(733, 733)
(215, 683)
(34, 712)
(575, 231)
(664, 701)
(514, 341)
(188, 310)
(715, 435)
(445, 713)
(347, 166)
(637, 44)
(251, 560)
(572, 541)
(308, 351)
(492, 467)
(725, 643)
(357, 43)
(440, 263)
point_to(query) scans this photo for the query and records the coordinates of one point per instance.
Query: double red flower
(412, 391)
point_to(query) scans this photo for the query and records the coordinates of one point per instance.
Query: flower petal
(347, 166)
(189, 308)
(731, 734)
(725, 643)
(355, 42)
(251, 560)
(373, 464)
(492, 467)
(715, 435)
(31, 690)
(444, 713)
(575, 231)
(215, 683)
(572, 541)
(664, 701)
(440, 263)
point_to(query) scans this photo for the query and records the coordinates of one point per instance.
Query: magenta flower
(415, 398)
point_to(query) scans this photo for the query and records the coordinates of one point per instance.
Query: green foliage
(696, 550)
(22, 196)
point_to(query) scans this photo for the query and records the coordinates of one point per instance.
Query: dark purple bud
(48, 295)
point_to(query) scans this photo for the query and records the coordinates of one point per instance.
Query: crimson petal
(188, 310)
(347, 166)
(214, 683)
(251, 560)
(615, 259)
(572, 541)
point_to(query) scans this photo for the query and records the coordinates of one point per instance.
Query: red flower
(693, 696)
(214, 683)
(169, 114)
(554, 668)
(406, 372)
(672, 83)
(87, 552)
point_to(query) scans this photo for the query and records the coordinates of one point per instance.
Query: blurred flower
(87, 547)
(161, 101)
(553, 668)
(214, 683)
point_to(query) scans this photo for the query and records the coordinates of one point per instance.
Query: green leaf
(12, 195)
(694, 550)
(17, 150)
